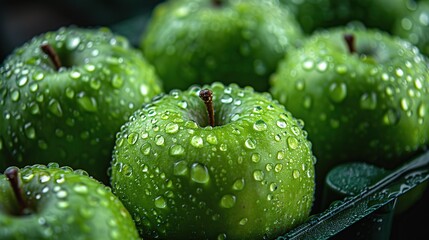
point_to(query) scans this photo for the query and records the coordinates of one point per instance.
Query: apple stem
(350, 40)
(52, 54)
(207, 96)
(12, 174)
(217, 3)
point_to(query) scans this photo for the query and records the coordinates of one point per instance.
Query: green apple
(64, 95)
(318, 14)
(363, 95)
(52, 202)
(229, 41)
(414, 27)
(245, 172)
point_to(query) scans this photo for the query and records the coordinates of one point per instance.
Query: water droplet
(405, 104)
(391, 117)
(183, 104)
(295, 174)
(322, 66)
(44, 178)
(62, 204)
(89, 104)
(72, 43)
(260, 125)
(227, 201)
(341, 69)
(250, 143)
(75, 74)
(221, 236)
(368, 101)
(273, 187)
(307, 65)
(95, 84)
(278, 167)
(28, 177)
(55, 108)
(132, 138)
(256, 157)
(197, 142)
(29, 131)
(211, 139)
(280, 155)
(22, 81)
(172, 128)
(281, 123)
(160, 202)
(117, 81)
(127, 170)
(80, 188)
(292, 142)
(243, 221)
(69, 93)
(226, 99)
(177, 150)
(38, 76)
(238, 184)
(299, 85)
(399, 72)
(258, 175)
(145, 148)
(159, 140)
(223, 147)
(338, 92)
(180, 168)
(421, 110)
(199, 173)
(15, 95)
(61, 194)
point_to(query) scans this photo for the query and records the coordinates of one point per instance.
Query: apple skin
(71, 115)
(414, 27)
(249, 177)
(369, 106)
(65, 204)
(196, 42)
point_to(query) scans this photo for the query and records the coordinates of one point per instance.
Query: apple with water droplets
(214, 162)
(230, 41)
(362, 94)
(53, 202)
(64, 94)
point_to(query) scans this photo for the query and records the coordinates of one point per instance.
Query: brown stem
(12, 174)
(207, 96)
(350, 40)
(217, 3)
(52, 54)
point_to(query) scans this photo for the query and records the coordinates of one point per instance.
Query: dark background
(20, 20)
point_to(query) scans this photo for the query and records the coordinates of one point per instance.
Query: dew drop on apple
(295, 173)
(368, 101)
(199, 173)
(269, 167)
(72, 43)
(160, 202)
(281, 123)
(27, 177)
(278, 167)
(221, 236)
(180, 168)
(22, 81)
(258, 175)
(69, 92)
(44, 178)
(238, 184)
(29, 131)
(308, 65)
(211, 139)
(88, 104)
(226, 99)
(228, 201)
(337, 92)
(61, 194)
(391, 117)
(256, 157)
(172, 128)
(176, 150)
(197, 142)
(159, 140)
(243, 221)
(63, 204)
(341, 69)
(280, 155)
(55, 108)
(250, 143)
(421, 110)
(260, 125)
(292, 142)
(80, 188)
(14, 96)
(132, 138)
(38, 76)
(307, 102)
(405, 104)
(75, 74)
(34, 87)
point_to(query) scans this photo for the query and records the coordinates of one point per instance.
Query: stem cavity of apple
(350, 40)
(12, 174)
(52, 54)
(207, 96)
